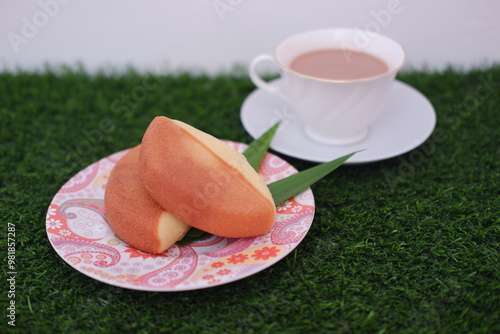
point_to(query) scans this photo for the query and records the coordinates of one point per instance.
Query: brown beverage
(336, 64)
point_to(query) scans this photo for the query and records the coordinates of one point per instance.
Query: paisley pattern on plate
(77, 229)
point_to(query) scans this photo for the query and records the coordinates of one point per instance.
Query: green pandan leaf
(194, 232)
(292, 185)
(189, 239)
(256, 151)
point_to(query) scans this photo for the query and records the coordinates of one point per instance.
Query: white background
(216, 35)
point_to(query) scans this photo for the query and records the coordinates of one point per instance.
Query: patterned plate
(78, 231)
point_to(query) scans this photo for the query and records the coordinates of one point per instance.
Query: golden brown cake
(203, 182)
(133, 214)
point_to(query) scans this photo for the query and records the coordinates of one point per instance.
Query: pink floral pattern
(239, 258)
(77, 229)
(265, 253)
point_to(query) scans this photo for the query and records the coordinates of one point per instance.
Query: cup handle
(257, 80)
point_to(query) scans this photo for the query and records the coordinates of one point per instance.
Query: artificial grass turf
(405, 245)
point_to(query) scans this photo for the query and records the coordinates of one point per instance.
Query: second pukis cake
(133, 214)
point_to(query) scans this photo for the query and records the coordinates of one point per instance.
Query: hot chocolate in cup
(336, 80)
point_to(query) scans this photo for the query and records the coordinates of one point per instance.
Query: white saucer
(407, 122)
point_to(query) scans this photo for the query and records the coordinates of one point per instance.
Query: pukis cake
(133, 214)
(204, 182)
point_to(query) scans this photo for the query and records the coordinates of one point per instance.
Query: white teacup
(337, 112)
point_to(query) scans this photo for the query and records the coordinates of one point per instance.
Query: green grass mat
(406, 245)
